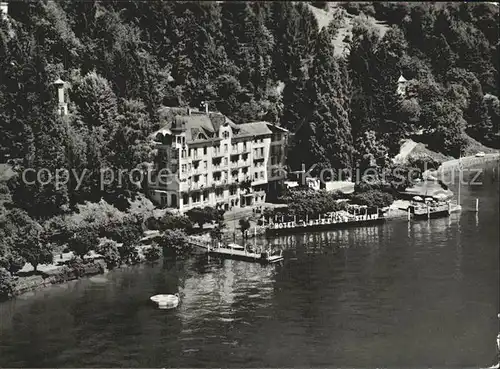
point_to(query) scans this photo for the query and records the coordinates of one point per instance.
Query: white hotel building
(207, 160)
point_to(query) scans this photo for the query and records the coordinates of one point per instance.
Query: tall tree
(330, 144)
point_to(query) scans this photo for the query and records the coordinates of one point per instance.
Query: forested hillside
(250, 61)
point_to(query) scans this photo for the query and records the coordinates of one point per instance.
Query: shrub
(11, 261)
(6, 284)
(109, 250)
(204, 215)
(153, 223)
(128, 231)
(171, 221)
(174, 242)
(76, 266)
(244, 225)
(373, 199)
(129, 254)
(84, 240)
(153, 253)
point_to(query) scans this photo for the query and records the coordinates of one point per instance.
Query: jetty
(233, 251)
(333, 220)
(236, 252)
(433, 210)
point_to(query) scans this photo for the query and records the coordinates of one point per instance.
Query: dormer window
(225, 134)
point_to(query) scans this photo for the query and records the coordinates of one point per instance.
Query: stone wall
(60, 275)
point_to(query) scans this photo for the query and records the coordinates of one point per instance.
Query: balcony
(217, 154)
(195, 186)
(219, 182)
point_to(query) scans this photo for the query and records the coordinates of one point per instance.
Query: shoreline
(63, 274)
(467, 162)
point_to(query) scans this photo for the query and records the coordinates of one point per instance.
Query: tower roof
(402, 79)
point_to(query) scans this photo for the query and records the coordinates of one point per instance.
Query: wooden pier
(229, 253)
(235, 252)
(323, 224)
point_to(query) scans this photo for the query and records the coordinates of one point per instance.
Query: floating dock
(263, 257)
(236, 252)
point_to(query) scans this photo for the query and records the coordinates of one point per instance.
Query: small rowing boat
(166, 301)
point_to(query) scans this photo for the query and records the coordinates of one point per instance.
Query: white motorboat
(166, 301)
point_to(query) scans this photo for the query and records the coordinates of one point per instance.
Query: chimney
(62, 105)
(303, 175)
(4, 7)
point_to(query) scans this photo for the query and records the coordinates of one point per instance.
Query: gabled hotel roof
(200, 126)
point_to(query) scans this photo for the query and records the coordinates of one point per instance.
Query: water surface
(401, 294)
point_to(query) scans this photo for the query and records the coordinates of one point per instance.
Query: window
(225, 135)
(190, 152)
(204, 151)
(256, 175)
(205, 195)
(262, 175)
(225, 148)
(205, 164)
(195, 197)
(184, 167)
(189, 167)
(261, 151)
(183, 154)
(185, 199)
(225, 161)
(235, 147)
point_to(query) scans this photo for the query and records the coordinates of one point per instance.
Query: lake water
(401, 294)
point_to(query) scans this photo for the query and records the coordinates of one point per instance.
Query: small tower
(205, 105)
(62, 108)
(402, 83)
(4, 7)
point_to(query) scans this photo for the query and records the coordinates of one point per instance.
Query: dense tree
(84, 240)
(28, 241)
(444, 125)
(174, 242)
(244, 226)
(330, 145)
(204, 215)
(6, 284)
(153, 253)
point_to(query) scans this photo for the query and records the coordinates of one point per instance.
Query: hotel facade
(205, 159)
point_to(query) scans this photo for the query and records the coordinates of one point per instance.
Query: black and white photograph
(249, 184)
